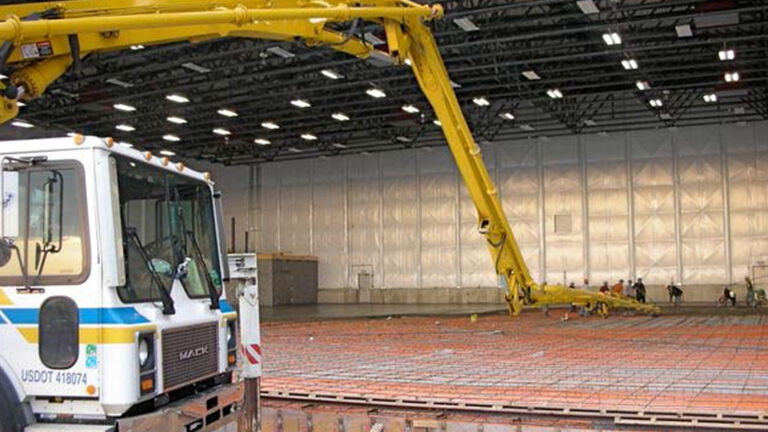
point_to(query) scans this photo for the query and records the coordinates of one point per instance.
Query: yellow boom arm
(119, 24)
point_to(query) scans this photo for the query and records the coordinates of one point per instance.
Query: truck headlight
(143, 352)
(146, 352)
(231, 336)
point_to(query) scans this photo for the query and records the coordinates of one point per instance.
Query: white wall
(690, 204)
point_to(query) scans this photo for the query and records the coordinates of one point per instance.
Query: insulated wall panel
(364, 217)
(519, 190)
(748, 194)
(400, 197)
(329, 235)
(653, 186)
(295, 207)
(438, 192)
(563, 198)
(268, 234)
(608, 207)
(701, 226)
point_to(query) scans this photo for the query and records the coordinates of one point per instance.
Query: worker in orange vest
(618, 289)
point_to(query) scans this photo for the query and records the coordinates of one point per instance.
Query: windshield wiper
(212, 292)
(165, 295)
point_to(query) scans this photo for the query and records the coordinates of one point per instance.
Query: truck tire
(11, 413)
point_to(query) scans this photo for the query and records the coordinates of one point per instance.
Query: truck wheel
(11, 414)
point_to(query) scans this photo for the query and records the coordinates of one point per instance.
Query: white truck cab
(112, 312)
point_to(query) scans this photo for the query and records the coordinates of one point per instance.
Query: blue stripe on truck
(119, 315)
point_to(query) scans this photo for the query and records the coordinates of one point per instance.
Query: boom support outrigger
(74, 29)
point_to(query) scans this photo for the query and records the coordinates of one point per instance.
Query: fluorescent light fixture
(280, 52)
(262, 141)
(22, 124)
(125, 128)
(177, 98)
(437, 123)
(526, 127)
(612, 38)
(710, 98)
(227, 112)
(308, 137)
(408, 62)
(507, 116)
(338, 146)
(176, 120)
(656, 103)
(195, 67)
(481, 101)
(373, 39)
(590, 122)
(301, 103)
(119, 83)
(403, 139)
(294, 150)
(171, 138)
(410, 109)
(137, 47)
(555, 94)
(531, 75)
(732, 76)
(340, 116)
(684, 31)
(376, 93)
(630, 64)
(3, 76)
(587, 6)
(726, 55)
(466, 24)
(454, 84)
(643, 85)
(270, 125)
(167, 152)
(222, 132)
(331, 74)
(20, 104)
(124, 107)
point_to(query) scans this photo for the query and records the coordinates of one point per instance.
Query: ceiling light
(331, 74)
(262, 141)
(338, 146)
(726, 54)
(590, 122)
(227, 113)
(643, 85)
(630, 64)
(656, 103)
(222, 132)
(125, 128)
(710, 98)
(410, 109)
(280, 52)
(195, 67)
(126, 144)
(507, 116)
(612, 38)
(137, 47)
(454, 84)
(20, 104)
(732, 76)
(437, 123)
(171, 138)
(376, 93)
(587, 6)
(177, 98)
(684, 30)
(308, 137)
(270, 125)
(403, 139)
(481, 101)
(3, 76)
(124, 107)
(555, 94)
(408, 62)
(340, 116)
(301, 103)
(466, 24)
(531, 75)
(177, 120)
(526, 127)
(665, 116)
(167, 152)
(119, 83)
(294, 150)
(22, 124)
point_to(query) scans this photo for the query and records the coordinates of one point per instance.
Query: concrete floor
(690, 363)
(341, 311)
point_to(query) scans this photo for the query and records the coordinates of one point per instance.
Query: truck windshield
(44, 225)
(160, 212)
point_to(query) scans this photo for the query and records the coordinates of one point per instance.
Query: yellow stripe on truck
(4, 300)
(95, 335)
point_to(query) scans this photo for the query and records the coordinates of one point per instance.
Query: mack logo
(193, 353)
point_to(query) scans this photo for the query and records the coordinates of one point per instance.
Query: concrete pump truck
(112, 315)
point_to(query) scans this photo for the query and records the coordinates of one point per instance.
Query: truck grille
(189, 354)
